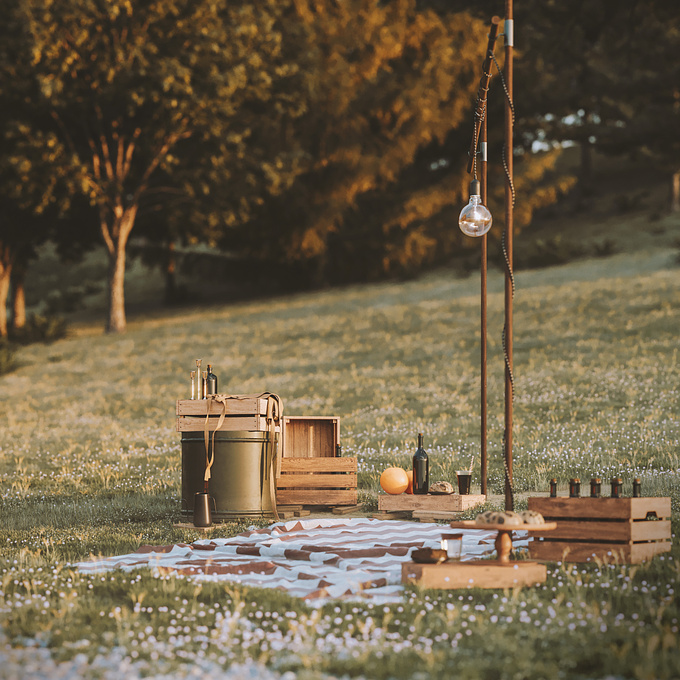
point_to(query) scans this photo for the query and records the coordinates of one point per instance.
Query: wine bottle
(421, 468)
(193, 384)
(211, 387)
(199, 379)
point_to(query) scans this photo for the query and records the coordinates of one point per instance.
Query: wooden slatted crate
(628, 530)
(311, 472)
(242, 414)
(317, 481)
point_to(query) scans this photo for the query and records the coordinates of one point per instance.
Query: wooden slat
(554, 551)
(330, 481)
(444, 503)
(601, 508)
(318, 465)
(434, 515)
(311, 497)
(650, 531)
(197, 424)
(583, 530)
(199, 407)
(473, 574)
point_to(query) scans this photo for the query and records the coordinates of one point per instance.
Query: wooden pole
(508, 331)
(483, 340)
(479, 138)
(482, 91)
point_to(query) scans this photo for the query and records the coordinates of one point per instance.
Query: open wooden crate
(311, 472)
(629, 530)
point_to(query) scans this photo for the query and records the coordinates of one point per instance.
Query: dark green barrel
(240, 475)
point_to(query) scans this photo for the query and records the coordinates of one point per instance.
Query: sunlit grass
(90, 464)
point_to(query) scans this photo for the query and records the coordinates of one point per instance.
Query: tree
(31, 194)
(384, 81)
(604, 74)
(133, 89)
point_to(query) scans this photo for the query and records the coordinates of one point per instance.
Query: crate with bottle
(626, 530)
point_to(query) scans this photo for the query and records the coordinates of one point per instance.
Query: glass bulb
(475, 218)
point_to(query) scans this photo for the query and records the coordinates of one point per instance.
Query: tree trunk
(117, 322)
(586, 169)
(675, 192)
(170, 278)
(18, 297)
(5, 274)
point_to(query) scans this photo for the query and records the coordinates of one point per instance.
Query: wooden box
(628, 530)
(317, 481)
(473, 574)
(249, 414)
(311, 472)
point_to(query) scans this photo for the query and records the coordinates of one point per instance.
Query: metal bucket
(240, 481)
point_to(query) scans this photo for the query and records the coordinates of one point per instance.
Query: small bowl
(429, 555)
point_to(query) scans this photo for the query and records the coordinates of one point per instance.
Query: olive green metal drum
(240, 482)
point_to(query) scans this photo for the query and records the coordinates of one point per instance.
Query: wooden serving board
(472, 524)
(433, 502)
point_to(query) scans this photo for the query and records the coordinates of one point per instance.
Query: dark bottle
(637, 488)
(421, 468)
(574, 488)
(617, 486)
(595, 487)
(211, 381)
(553, 488)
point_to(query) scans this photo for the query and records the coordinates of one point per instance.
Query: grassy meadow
(90, 464)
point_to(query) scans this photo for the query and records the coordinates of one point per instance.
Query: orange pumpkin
(409, 474)
(394, 480)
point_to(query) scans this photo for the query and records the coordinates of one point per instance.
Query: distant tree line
(327, 139)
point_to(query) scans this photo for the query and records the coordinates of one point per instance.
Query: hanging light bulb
(475, 218)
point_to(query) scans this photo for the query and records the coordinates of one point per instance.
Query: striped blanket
(315, 559)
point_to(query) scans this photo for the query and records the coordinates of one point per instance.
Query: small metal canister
(617, 485)
(595, 487)
(637, 488)
(574, 488)
(553, 488)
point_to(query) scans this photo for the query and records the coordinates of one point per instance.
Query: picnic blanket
(315, 559)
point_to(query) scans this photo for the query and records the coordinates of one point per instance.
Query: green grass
(90, 464)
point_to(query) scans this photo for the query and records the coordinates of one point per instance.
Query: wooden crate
(473, 574)
(406, 502)
(628, 530)
(317, 481)
(310, 436)
(242, 414)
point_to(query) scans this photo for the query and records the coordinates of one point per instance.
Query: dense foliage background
(312, 141)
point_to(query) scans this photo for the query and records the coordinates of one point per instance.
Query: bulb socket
(475, 188)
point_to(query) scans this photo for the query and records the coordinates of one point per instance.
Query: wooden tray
(406, 502)
(473, 574)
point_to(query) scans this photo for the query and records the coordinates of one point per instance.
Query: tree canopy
(328, 137)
